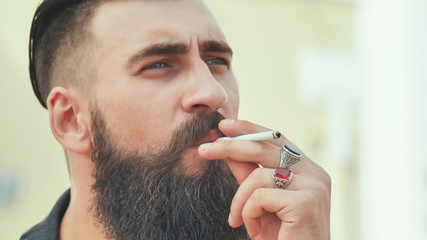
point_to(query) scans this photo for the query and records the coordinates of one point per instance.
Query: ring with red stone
(282, 177)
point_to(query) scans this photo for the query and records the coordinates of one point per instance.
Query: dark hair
(58, 30)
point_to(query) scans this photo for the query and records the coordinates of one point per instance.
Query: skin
(144, 98)
(299, 212)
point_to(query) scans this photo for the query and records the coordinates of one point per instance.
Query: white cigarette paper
(255, 136)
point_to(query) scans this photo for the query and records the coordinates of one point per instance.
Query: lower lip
(212, 136)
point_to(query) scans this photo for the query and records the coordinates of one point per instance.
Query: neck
(78, 222)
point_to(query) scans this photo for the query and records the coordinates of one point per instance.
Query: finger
(254, 153)
(234, 128)
(266, 154)
(259, 178)
(241, 170)
(238, 127)
(265, 200)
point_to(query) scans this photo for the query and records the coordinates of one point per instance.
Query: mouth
(212, 136)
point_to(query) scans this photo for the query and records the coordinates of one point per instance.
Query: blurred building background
(345, 80)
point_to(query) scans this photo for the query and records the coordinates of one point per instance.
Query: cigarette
(255, 136)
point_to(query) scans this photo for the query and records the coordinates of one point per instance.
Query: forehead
(126, 24)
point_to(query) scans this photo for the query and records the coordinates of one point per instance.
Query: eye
(217, 61)
(157, 65)
(156, 69)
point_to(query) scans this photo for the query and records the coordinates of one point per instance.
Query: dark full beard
(147, 196)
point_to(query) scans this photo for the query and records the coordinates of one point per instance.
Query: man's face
(164, 82)
(157, 64)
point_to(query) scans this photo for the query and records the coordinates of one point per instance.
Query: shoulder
(48, 229)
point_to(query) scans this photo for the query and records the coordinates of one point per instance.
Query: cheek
(232, 106)
(233, 102)
(138, 129)
(136, 121)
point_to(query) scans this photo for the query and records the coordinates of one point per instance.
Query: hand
(301, 211)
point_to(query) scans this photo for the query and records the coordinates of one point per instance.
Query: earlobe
(69, 119)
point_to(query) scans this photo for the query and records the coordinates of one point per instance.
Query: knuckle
(246, 212)
(320, 191)
(264, 146)
(225, 143)
(323, 194)
(257, 173)
(238, 201)
(328, 180)
(307, 202)
(258, 194)
(310, 200)
(244, 122)
(325, 178)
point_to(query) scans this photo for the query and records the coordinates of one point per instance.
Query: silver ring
(282, 177)
(289, 155)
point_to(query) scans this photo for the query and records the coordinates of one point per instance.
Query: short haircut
(60, 41)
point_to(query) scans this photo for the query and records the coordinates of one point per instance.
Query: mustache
(189, 133)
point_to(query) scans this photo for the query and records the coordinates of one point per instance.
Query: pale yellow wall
(266, 37)
(27, 149)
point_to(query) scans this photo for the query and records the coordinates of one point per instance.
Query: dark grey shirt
(48, 229)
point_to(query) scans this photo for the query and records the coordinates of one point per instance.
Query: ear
(69, 119)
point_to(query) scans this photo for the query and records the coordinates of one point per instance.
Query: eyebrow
(178, 48)
(158, 49)
(216, 46)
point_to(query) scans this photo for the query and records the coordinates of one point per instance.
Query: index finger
(234, 128)
(263, 153)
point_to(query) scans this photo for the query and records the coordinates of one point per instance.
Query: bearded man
(138, 93)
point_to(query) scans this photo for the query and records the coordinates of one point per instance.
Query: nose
(204, 92)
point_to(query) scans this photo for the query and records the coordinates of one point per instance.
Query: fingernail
(229, 218)
(227, 121)
(205, 146)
